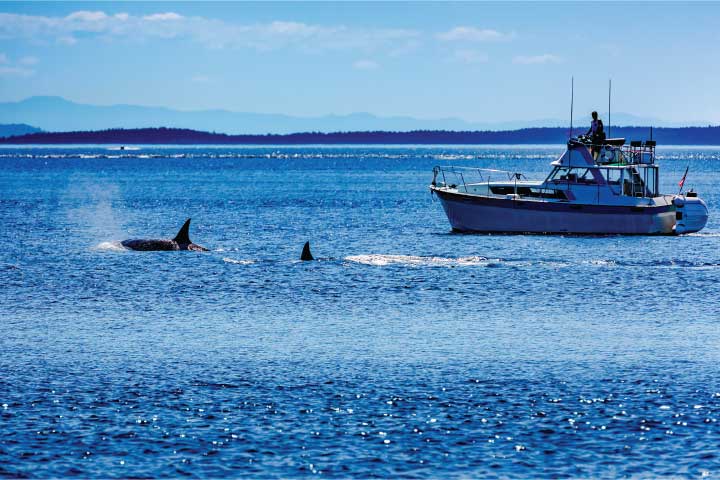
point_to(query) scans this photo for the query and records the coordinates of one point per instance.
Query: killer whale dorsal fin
(183, 236)
(306, 255)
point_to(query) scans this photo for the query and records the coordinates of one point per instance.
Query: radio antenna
(609, 97)
(572, 98)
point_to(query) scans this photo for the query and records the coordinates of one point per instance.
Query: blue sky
(476, 61)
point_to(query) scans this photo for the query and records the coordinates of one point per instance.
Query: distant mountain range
(17, 129)
(174, 136)
(58, 114)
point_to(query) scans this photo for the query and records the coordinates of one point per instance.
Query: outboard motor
(691, 213)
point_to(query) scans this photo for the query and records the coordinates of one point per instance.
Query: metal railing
(638, 152)
(635, 153)
(474, 176)
(460, 178)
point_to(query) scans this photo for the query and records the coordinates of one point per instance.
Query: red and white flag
(682, 181)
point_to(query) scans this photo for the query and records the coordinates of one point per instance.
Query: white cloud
(160, 17)
(470, 56)
(85, 16)
(211, 33)
(15, 72)
(292, 28)
(67, 40)
(365, 65)
(200, 79)
(472, 34)
(537, 59)
(18, 68)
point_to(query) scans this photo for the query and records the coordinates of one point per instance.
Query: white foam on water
(383, 260)
(701, 234)
(601, 263)
(238, 262)
(110, 247)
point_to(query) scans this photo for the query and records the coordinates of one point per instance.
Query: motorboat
(592, 189)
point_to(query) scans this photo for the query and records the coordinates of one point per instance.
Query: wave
(383, 260)
(674, 263)
(704, 234)
(115, 153)
(238, 262)
(601, 263)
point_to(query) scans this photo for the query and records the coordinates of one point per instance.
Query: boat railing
(460, 178)
(456, 177)
(615, 151)
(639, 152)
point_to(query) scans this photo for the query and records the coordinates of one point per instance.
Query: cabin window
(587, 177)
(613, 176)
(650, 176)
(633, 184)
(529, 192)
(558, 174)
(573, 175)
(507, 190)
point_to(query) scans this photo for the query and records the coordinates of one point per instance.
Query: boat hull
(475, 213)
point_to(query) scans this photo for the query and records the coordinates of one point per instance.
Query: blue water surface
(405, 351)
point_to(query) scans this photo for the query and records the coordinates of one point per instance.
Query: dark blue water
(406, 351)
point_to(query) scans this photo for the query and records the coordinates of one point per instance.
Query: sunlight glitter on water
(474, 355)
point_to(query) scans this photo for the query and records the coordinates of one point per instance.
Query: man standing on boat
(597, 134)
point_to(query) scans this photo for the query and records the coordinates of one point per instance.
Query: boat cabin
(614, 172)
(624, 170)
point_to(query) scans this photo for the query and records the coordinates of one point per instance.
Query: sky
(476, 61)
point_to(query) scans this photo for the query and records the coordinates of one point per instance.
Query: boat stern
(691, 213)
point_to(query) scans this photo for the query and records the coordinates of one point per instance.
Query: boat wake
(379, 260)
(238, 262)
(383, 260)
(600, 263)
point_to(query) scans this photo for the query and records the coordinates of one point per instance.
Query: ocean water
(405, 351)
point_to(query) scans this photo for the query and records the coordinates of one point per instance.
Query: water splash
(114, 246)
(238, 262)
(384, 260)
(95, 215)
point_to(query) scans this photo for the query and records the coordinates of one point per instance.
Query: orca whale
(180, 242)
(306, 255)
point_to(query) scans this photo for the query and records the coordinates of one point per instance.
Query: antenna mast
(609, 97)
(572, 98)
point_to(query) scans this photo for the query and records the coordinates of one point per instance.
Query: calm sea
(405, 351)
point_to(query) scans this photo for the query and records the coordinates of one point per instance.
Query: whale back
(180, 242)
(150, 245)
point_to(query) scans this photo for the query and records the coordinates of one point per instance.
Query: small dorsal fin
(183, 236)
(306, 255)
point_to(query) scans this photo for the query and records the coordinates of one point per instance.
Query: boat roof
(576, 155)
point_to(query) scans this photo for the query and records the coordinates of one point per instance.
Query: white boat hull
(474, 213)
